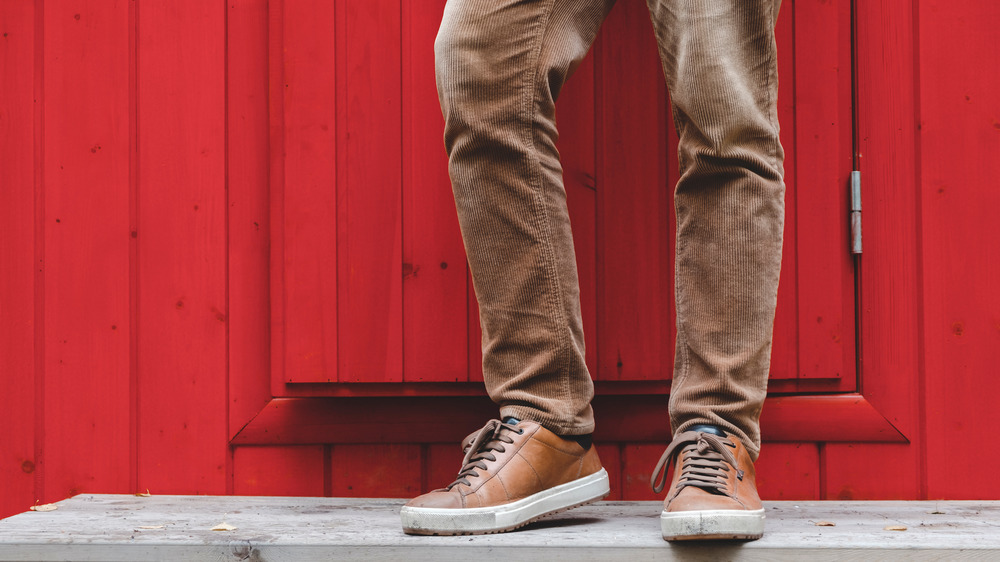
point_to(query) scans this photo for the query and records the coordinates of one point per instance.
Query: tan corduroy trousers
(500, 66)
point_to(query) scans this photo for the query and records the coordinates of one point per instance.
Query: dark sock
(585, 441)
(706, 428)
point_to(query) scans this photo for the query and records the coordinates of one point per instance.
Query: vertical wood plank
(369, 197)
(307, 195)
(959, 146)
(247, 187)
(788, 471)
(871, 471)
(435, 335)
(382, 470)
(277, 153)
(278, 471)
(182, 247)
(632, 199)
(638, 462)
(785, 348)
(823, 147)
(890, 275)
(87, 233)
(576, 118)
(442, 462)
(18, 137)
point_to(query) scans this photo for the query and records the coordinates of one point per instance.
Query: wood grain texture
(278, 471)
(181, 218)
(249, 220)
(840, 418)
(638, 462)
(575, 113)
(785, 346)
(369, 193)
(122, 144)
(441, 463)
(19, 463)
(871, 471)
(634, 310)
(305, 194)
(380, 470)
(788, 471)
(85, 168)
(435, 315)
(823, 151)
(277, 154)
(107, 527)
(889, 268)
(959, 238)
(616, 201)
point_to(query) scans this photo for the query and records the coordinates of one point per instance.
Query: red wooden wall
(209, 211)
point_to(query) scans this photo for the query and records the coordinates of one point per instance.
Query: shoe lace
(705, 466)
(479, 447)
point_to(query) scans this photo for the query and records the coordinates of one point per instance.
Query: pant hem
(753, 449)
(559, 427)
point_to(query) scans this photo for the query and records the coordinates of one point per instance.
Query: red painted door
(231, 264)
(369, 277)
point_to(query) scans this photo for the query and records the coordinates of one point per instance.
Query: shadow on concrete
(561, 522)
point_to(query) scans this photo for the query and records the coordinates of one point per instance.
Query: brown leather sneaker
(712, 494)
(511, 475)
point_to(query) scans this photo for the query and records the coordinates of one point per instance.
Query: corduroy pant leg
(719, 59)
(500, 65)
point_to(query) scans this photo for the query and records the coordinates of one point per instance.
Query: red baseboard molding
(444, 419)
(830, 418)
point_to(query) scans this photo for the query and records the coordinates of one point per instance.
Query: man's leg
(719, 59)
(500, 67)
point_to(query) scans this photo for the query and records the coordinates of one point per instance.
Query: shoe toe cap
(696, 499)
(438, 499)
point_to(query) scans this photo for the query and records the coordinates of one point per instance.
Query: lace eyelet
(520, 431)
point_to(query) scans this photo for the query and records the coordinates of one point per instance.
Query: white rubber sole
(712, 524)
(506, 517)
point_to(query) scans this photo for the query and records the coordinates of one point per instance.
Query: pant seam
(772, 68)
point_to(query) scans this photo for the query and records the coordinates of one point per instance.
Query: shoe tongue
(705, 428)
(510, 420)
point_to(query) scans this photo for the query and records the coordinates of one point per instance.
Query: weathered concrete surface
(111, 527)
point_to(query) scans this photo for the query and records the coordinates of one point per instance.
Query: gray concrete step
(120, 527)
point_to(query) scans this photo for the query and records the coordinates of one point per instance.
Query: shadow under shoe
(713, 494)
(511, 475)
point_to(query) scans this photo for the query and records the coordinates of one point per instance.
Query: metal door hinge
(855, 212)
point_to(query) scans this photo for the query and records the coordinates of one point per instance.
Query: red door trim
(299, 421)
(887, 410)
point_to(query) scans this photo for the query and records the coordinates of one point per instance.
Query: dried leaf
(895, 528)
(223, 527)
(152, 526)
(44, 507)
(825, 524)
(143, 495)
